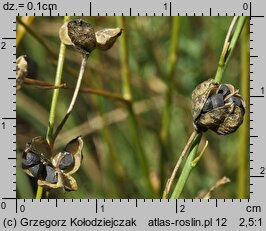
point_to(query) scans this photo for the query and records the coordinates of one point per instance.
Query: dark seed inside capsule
(50, 175)
(37, 170)
(224, 90)
(217, 100)
(237, 102)
(66, 161)
(30, 159)
(207, 106)
(213, 102)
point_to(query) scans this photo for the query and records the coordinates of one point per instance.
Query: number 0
(245, 6)
(3, 205)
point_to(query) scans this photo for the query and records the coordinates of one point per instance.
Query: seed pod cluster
(218, 107)
(80, 34)
(53, 170)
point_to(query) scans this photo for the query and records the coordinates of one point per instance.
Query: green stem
(39, 192)
(229, 46)
(187, 168)
(58, 78)
(170, 78)
(127, 95)
(166, 118)
(126, 88)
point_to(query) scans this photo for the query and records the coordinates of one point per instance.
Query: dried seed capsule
(217, 107)
(21, 70)
(106, 38)
(80, 34)
(30, 158)
(53, 170)
(51, 175)
(66, 161)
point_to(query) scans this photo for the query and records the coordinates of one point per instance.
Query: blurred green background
(111, 165)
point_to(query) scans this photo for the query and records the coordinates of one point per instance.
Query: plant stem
(170, 78)
(58, 78)
(39, 192)
(229, 45)
(74, 97)
(187, 168)
(166, 118)
(126, 88)
(126, 92)
(183, 154)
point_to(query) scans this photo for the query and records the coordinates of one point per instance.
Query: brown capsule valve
(106, 38)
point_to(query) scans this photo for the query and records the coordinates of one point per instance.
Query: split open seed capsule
(53, 170)
(80, 34)
(219, 108)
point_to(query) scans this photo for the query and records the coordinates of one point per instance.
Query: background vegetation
(130, 151)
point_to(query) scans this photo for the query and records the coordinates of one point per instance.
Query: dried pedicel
(53, 170)
(218, 107)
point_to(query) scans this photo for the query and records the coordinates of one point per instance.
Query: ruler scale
(132, 214)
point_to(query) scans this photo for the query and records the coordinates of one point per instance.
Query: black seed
(37, 170)
(66, 161)
(217, 100)
(51, 175)
(30, 158)
(207, 106)
(237, 101)
(224, 90)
